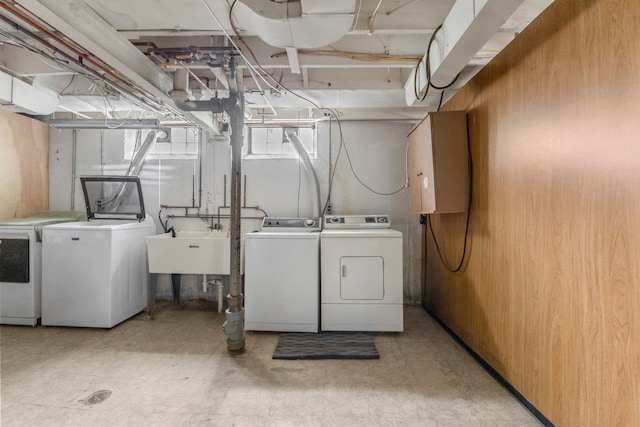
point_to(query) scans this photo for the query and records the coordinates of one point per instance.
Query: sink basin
(191, 252)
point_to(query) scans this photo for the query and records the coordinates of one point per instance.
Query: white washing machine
(282, 276)
(94, 273)
(361, 270)
(21, 265)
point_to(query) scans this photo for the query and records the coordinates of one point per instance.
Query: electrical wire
(335, 163)
(441, 99)
(466, 229)
(128, 90)
(332, 111)
(235, 30)
(365, 185)
(355, 20)
(372, 18)
(427, 59)
(356, 56)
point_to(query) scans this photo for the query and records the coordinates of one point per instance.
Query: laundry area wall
(279, 187)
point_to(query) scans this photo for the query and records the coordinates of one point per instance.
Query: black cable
(466, 230)
(365, 185)
(335, 163)
(429, 84)
(335, 114)
(164, 225)
(427, 64)
(441, 98)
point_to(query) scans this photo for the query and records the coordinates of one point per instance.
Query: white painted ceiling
(362, 73)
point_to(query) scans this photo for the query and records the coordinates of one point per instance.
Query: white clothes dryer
(21, 265)
(361, 274)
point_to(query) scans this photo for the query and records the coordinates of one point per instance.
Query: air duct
(136, 164)
(306, 25)
(308, 168)
(21, 97)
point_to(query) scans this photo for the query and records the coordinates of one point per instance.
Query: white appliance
(21, 265)
(281, 276)
(361, 270)
(94, 273)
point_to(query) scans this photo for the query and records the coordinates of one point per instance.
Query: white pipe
(141, 154)
(220, 288)
(310, 171)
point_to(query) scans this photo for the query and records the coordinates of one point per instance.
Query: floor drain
(97, 397)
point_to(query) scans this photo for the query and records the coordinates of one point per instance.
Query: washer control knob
(309, 223)
(334, 219)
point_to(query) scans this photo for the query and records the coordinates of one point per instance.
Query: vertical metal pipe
(234, 325)
(73, 169)
(244, 193)
(224, 203)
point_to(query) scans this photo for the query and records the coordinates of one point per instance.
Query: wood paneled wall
(550, 294)
(24, 160)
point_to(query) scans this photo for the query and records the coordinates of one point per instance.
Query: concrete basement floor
(175, 371)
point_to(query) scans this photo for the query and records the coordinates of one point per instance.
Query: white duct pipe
(141, 154)
(136, 164)
(306, 25)
(309, 170)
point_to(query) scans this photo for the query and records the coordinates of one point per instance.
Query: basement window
(173, 143)
(264, 141)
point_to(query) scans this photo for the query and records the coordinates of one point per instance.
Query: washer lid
(113, 197)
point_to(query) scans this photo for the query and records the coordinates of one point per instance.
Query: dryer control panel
(357, 221)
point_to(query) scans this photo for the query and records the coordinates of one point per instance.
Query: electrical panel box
(438, 164)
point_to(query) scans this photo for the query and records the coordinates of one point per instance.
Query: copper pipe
(81, 55)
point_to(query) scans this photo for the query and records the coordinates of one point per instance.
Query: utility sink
(191, 252)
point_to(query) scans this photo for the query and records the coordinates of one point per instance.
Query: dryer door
(14, 259)
(361, 278)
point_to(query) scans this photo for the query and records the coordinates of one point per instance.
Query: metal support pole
(234, 325)
(234, 107)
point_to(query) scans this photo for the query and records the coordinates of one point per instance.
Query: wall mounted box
(438, 164)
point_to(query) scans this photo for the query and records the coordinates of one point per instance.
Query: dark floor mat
(326, 345)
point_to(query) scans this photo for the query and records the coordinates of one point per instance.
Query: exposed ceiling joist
(368, 67)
